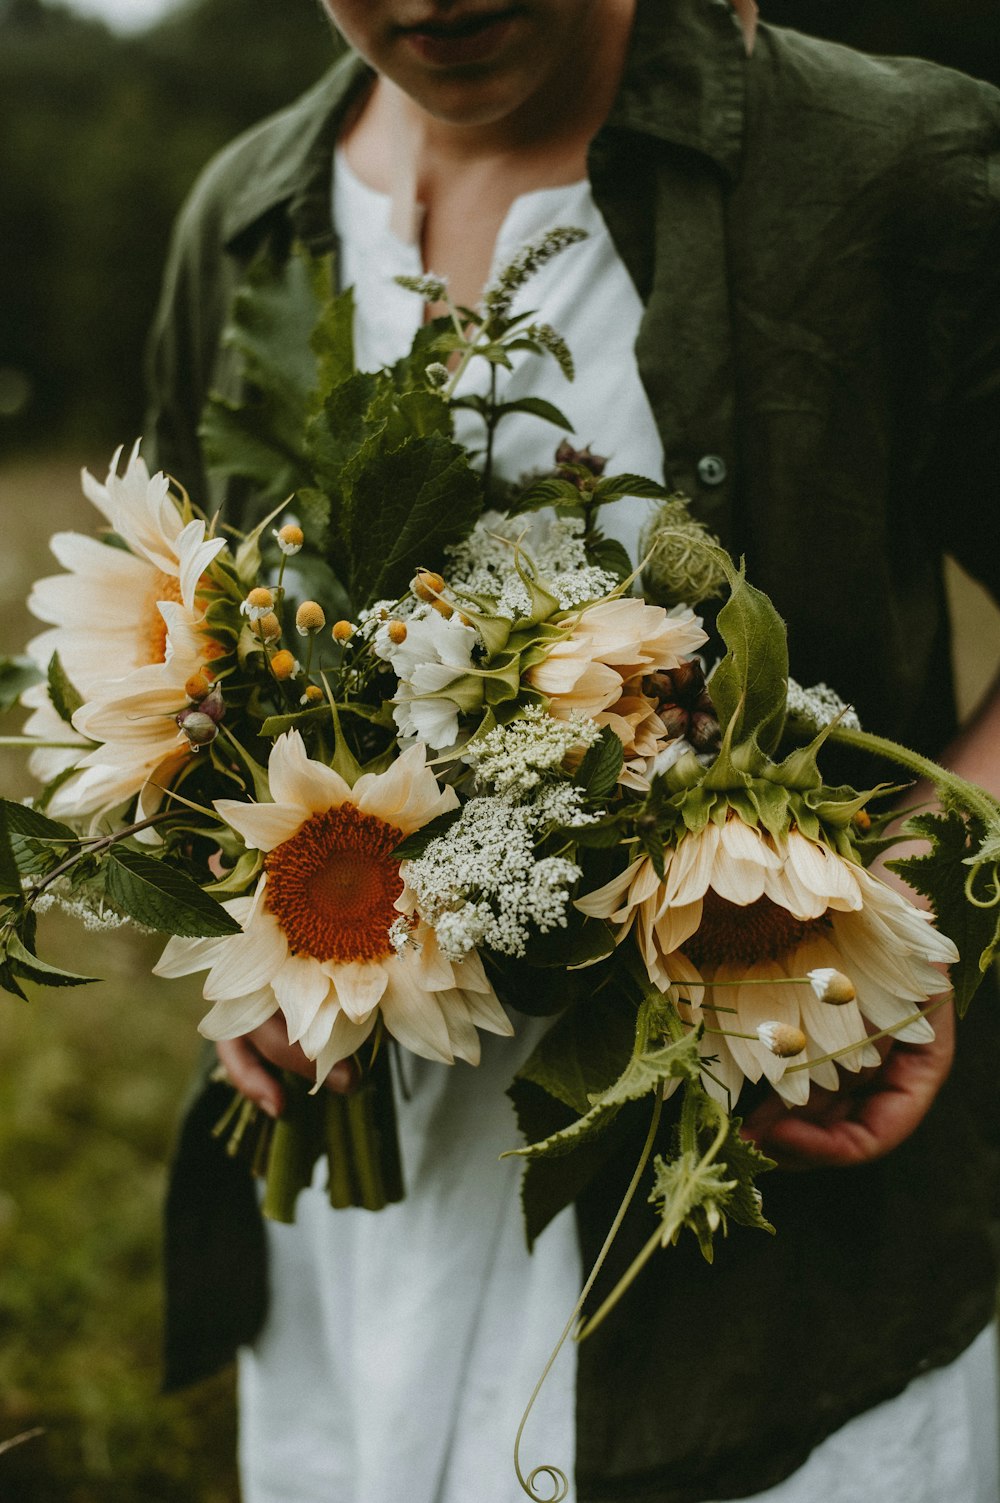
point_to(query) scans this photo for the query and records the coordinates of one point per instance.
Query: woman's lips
(472, 39)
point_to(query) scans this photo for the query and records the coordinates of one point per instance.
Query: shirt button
(711, 469)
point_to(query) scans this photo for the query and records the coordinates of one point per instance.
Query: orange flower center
(165, 587)
(333, 885)
(741, 935)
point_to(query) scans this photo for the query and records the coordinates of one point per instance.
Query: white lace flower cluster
(811, 709)
(515, 758)
(482, 884)
(484, 563)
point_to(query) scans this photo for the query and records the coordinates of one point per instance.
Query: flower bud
(268, 627)
(313, 695)
(832, 986)
(289, 538)
(283, 664)
(258, 603)
(197, 686)
(343, 631)
(783, 1039)
(436, 375)
(213, 704)
(426, 585)
(309, 617)
(397, 632)
(443, 609)
(862, 822)
(200, 729)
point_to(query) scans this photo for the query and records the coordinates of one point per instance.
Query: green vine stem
(953, 790)
(555, 1475)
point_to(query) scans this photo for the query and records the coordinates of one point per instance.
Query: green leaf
(609, 554)
(616, 487)
(161, 897)
(749, 687)
(10, 877)
(598, 773)
(585, 1051)
(36, 841)
(16, 675)
(332, 338)
(942, 876)
(548, 492)
(406, 506)
(66, 699)
(414, 845)
(535, 407)
(31, 968)
(700, 1190)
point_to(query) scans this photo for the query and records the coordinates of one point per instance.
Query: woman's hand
(246, 1059)
(872, 1113)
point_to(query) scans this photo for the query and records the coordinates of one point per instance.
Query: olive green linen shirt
(816, 238)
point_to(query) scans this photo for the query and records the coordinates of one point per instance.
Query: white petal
(234, 1016)
(263, 826)
(301, 987)
(250, 960)
(295, 778)
(414, 1018)
(360, 986)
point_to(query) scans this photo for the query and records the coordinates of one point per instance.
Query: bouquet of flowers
(415, 753)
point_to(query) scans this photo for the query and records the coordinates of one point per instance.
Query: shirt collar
(683, 83)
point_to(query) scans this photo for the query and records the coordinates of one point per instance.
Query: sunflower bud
(289, 538)
(258, 603)
(396, 632)
(268, 627)
(343, 631)
(832, 986)
(199, 728)
(283, 664)
(310, 617)
(426, 585)
(783, 1039)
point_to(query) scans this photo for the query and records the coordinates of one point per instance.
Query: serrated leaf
(16, 675)
(414, 845)
(161, 897)
(10, 877)
(749, 686)
(548, 492)
(617, 487)
(535, 407)
(30, 968)
(33, 836)
(643, 1074)
(406, 506)
(702, 1190)
(612, 556)
(598, 773)
(941, 875)
(66, 698)
(585, 1051)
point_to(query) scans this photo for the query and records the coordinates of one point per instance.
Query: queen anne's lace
(810, 710)
(484, 564)
(516, 757)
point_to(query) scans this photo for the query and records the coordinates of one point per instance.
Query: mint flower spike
(499, 294)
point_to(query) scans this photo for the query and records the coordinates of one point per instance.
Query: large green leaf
(406, 505)
(29, 967)
(161, 897)
(37, 842)
(10, 877)
(749, 687)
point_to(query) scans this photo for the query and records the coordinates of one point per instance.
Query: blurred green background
(101, 133)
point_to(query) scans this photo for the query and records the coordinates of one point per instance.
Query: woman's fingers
(246, 1061)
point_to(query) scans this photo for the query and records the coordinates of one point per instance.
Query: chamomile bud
(289, 538)
(443, 609)
(200, 729)
(397, 632)
(342, 632)
(831, 986)
(426, 585)
(258, 603)
(197, 687)
(268, 627)
(436, 374)
(783, 1039)
(313, 695)
(310, 617)
(283, 664)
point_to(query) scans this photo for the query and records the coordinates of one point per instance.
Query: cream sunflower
(736, 905)
(125, 623)
(325, 939)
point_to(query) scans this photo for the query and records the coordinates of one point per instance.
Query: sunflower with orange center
(325, 939)
(739, 921)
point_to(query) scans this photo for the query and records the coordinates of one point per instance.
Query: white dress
(401, 1347)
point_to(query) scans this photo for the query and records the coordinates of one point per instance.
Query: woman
(797, 260)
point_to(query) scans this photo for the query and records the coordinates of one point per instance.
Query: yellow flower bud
(268, 627)
(426, 585)
(783, 1039)
(343, 631)
(314, 695)
(397, 632)
(197, 686)
(832, 986)
(290, 538)
(283, 664)
(443, 609)
(309, 617)
(258, 603)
